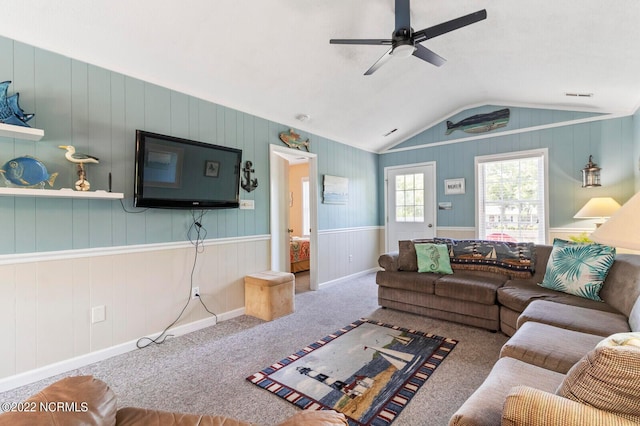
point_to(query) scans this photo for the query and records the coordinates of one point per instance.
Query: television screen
(173, 172)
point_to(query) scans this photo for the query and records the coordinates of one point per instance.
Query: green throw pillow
(578, 269)
(433, 258)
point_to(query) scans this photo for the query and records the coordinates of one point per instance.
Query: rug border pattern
(393, 406)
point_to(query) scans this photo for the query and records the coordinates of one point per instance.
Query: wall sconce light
(591, 174)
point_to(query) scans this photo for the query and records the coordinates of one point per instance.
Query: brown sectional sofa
(494, 300)
(555, 337)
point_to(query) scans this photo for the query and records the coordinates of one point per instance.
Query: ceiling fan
(406, 42)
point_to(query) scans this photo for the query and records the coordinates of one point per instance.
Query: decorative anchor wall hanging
(249, 184)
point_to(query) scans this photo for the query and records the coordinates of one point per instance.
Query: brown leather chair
(85, 400)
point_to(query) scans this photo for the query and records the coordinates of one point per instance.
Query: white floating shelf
(59, 193)
(21, 132)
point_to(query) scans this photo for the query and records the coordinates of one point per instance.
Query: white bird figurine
(80, 159)
(77, 157)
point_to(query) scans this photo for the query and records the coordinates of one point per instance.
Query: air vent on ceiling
(578, 95)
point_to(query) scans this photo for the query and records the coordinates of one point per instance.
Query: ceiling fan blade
(403, 18)
(428, 55)
(445, 27)
(373, 41)
(380, 62)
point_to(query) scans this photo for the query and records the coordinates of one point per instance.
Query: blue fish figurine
(10, 111)
(27, 172)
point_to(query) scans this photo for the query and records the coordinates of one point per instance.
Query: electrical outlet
(98, 314)
(350, 258)
(195, 292)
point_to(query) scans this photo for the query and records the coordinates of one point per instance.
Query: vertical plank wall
(59, 258)
(611, 141)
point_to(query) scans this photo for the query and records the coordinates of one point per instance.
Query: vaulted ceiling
(272, 58)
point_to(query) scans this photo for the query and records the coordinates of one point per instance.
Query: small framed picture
(454, 186)
(211, 168)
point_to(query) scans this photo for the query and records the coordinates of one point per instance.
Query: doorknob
(430, 225)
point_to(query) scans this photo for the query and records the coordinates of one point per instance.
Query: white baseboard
(50, 370)
(348, 277)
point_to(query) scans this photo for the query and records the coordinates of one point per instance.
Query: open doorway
(293, 179)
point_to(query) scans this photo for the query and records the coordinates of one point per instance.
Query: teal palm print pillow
(433, 258)
(578, 269)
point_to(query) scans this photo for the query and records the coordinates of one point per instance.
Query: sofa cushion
(549, 347)
(476, 286)
(606, 378)
(87, 401)
(517, 294)
(484, 406)
(407, 259)
(575, 318)
(528, 406)
(433, 258)
(621, 289)
(578, 269)
(411, 281)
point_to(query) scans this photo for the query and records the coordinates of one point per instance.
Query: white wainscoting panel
(344, 252)
(46, 304)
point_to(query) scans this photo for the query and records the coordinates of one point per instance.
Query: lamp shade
(598, 207)
(623, 228)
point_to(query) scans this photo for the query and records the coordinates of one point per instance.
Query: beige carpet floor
(205, 371)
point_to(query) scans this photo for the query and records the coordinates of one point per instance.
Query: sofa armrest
(76, 400)
(389, 261)
(527, 406)
(316, 418)
(130, 416)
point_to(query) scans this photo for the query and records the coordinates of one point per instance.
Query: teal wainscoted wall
(570, 139)
(98, 111)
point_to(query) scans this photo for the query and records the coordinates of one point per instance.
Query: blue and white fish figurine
(27, 172)
(10, 111)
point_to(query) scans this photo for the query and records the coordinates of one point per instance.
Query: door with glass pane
(410, 203)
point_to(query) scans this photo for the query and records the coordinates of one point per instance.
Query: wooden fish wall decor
(480, 123)
(292, 140)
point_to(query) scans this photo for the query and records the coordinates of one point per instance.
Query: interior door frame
(433, 198)
(279, 194)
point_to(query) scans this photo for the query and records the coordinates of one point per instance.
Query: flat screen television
(173, 172)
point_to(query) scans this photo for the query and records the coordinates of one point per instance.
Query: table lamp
(623, 228)
(598, 208)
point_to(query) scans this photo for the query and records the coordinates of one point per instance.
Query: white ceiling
(272, 58)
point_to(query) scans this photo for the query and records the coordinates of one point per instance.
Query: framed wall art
(454, 186)
(335, 190)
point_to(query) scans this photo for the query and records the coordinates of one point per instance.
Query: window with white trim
(511, 196)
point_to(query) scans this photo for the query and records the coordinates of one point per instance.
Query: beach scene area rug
(367, 370)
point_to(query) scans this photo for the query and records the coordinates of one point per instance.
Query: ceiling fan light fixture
(403, 50)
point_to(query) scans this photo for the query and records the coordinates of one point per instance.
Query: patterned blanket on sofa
(518, 259)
